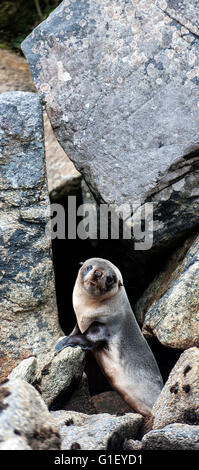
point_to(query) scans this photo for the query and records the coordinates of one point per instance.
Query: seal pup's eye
(110, 280)
(88, 268)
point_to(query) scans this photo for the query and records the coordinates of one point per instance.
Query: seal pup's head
(98, 282)
(100, 278)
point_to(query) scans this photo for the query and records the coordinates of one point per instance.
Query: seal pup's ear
(120, 283)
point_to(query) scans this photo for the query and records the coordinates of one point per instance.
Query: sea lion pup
(107, 326)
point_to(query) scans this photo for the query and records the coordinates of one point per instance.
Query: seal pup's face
(99, 278)
(98, 282)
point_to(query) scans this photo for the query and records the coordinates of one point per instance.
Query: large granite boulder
(25, 419)
(60, 377)
(169, 308)
(178, 401)
(96, 432)
(120, 84)
(28, 310)
(62, 374)
(173, 437)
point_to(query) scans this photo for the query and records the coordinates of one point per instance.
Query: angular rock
(96, 432)
(63, 178)
(169, 308)
(120, 84)
(172, 437)
(28, 310)
(26, 370)
(62, 374)
(178, 401)
(24, 414)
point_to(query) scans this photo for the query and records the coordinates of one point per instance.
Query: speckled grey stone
(65, 370)
(178, 401)
(28, 310)
(96, 432)
(63, 373)
(186, 13)
(24, 414)
(26, 370)
(172, 437)
(120, 84)
(169, 308)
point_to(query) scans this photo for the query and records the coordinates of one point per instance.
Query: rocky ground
(25, 426)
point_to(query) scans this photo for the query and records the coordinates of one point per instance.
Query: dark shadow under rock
(110, 402)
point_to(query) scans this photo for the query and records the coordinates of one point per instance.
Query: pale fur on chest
(88, 309)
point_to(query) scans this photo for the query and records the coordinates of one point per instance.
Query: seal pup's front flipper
(64, 342)
(73, 340)
(76, 339)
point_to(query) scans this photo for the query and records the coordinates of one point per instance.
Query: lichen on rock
(178, 401)
(119, 80)
(29, 317)
(169, 308)
(24, 414)
(96, 432)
